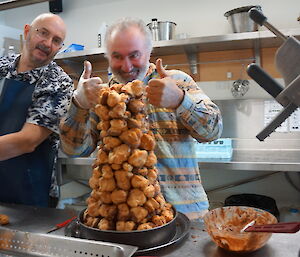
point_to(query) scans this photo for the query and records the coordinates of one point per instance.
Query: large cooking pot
(162, 30)
(140, 238)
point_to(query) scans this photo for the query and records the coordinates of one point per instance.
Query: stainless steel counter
(248, 163)
(197, 243)
(33, 219)
(240, 165)
(257, 159)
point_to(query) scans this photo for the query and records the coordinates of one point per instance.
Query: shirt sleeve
(50, 99)
(78, 132)
(197, 112)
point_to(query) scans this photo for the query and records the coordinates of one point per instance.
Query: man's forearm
(76, 133)
(13, 145)
(23, 141)
(202, 118)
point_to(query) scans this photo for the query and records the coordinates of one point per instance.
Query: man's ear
(26, 30)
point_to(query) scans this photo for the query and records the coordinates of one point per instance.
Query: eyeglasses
(45, 34)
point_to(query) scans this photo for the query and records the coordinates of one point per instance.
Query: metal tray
(18, 243)
(182, 230)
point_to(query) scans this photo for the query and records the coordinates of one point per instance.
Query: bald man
(34, 92)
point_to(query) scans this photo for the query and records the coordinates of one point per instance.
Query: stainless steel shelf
(232, 41)
(257, 166)
(189, 46)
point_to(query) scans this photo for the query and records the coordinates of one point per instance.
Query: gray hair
(125, 23)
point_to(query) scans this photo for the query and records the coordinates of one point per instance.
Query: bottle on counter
(11, 51)
(154, 29)
(101, 34)
(109, 74)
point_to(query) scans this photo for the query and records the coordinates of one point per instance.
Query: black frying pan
(140, 238)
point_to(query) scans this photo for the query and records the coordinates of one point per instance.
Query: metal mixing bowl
(164, 30)
(224, 226)
(239, 19)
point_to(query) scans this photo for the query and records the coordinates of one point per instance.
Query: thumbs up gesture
(164, 92)
(87, 92)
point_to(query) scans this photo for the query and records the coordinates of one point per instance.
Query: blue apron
(25, 179)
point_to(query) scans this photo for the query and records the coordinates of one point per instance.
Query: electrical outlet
(229, 75)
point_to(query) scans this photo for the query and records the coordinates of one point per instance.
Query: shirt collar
(32, 76)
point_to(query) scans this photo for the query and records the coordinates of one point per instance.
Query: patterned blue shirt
(50, 98)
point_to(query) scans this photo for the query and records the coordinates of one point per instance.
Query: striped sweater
(197, 117)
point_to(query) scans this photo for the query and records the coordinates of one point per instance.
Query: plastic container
(217, 149)
(289, 214)
(73, 48)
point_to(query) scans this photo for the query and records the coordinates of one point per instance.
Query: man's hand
(164, 92)
(87, 93)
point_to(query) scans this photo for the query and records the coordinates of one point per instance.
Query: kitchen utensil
(61, 225)
(224, 226)
(239, 19)
(141, 238)
(283, 227)
(287, 62)
(241, 86)
(162, 30)
(36, 244)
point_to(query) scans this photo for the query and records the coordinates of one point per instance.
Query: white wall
(8, 33)
(1, 18)
(194, 17)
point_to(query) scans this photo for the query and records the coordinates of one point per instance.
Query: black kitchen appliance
(287, 61)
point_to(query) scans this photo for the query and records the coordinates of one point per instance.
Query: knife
(61, 225)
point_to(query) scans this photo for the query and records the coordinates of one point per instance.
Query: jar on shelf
(10, 51)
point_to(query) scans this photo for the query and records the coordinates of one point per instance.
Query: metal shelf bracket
(256, 43)
(191, 53)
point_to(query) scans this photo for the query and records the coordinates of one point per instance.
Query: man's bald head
(44, 38)
(52, 18)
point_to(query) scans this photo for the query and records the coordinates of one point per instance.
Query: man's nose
(126, 65)
(48, 42)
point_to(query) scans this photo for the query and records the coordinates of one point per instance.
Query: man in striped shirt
(178, 112)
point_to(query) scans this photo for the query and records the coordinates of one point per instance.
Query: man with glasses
(34, 95)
